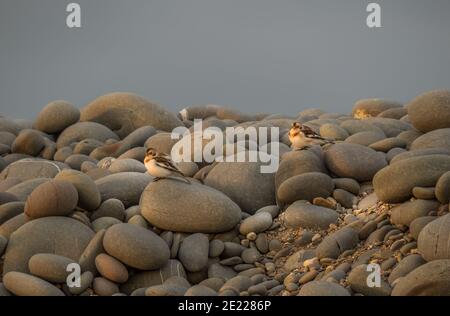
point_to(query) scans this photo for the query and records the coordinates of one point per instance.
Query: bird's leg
(156, 179)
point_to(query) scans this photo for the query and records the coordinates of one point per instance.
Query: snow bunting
(303, 137)
(161, 166)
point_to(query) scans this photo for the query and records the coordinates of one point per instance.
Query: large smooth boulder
(58, 235)
(84, 130)
(29, 168)
(89, 197)
(24, 189)
(442, 190)
(124, 186)
(244, 183)
(22, 284)
(434, 239)
(394, 183)
(193, 208)
(439, 138)
(303, 215)
(373, 107)
(430, 279)
(296, 163)
(193, 252)
(354, 161)
(125, 112)
(28, 142)
(406, 213)
(52, 198)
(306, 186)
(145, 279)
(56, 116)
(430, 110)
(323, 288)
(136, 246)
(333, 245)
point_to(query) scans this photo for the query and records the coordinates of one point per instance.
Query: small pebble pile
(74, 189)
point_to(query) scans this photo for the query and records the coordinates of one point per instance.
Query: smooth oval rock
(373, 107)
(83, 130)
(192, 208)
(193, 252)
(437, 139)
(52, 198)
(124, 186)
(354, 161)
(434, 239)
(357, 279)
(28, 142)
(239, 180)
(89, 197)
(111, 268)
(135, 246)
(22, 284)
(57, 235)
(333, 245)
(144, 279)
(407, 212)
(27, 169)
(50, 267)
(430, 111)
(56, 116)
(257, 223)
(442, 190)
(395, 183)
(430, 279)
(303, 215)
(306, 186)
(322, 288)
(124, 112)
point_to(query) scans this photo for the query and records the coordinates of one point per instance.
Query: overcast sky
(277, 56)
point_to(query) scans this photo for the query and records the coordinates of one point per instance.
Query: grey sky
(277, 56)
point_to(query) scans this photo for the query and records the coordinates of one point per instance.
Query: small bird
(302, 137)
(161, 166)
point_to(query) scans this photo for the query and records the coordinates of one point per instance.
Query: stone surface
(50, 267)
(52, 198)
(22, 284)
(358, 282)
(193, 252)
(434, 239)
(322, 288)
(124, 186)
(407, 212)
(354, 161)
(125, 112)
(437, 139)
(257, 223)
(394, 183)
(306, 186)
(239, 180)
(89, 197)
(302, 215)
(430, 111)
(56, 116)
(56, 235)
(84, 130)
(177, 206)
(442, 190)
(430, 279)
(135, 246)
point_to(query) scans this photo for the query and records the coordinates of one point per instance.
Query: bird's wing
(167, 163)
(308, 132)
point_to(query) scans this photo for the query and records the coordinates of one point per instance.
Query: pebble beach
(365, 215)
